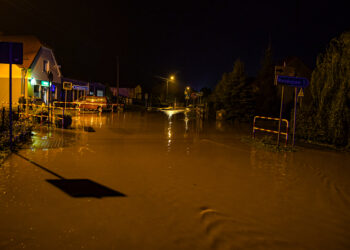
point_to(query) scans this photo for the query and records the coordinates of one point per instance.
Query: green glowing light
(45, 83)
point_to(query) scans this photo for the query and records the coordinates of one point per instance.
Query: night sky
(197, 41)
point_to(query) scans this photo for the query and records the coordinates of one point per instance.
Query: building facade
(31, 79)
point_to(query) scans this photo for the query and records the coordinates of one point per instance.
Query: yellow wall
(29, 92)
(4, 83)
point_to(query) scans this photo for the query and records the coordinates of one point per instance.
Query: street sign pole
(295, 112)
(279, 122)
(65, 100)
(10, 97)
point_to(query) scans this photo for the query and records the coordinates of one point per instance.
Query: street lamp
(187, 94)
(167, 87)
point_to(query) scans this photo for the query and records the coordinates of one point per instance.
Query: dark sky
(196, 40)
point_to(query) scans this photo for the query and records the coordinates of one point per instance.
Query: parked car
(99, 103)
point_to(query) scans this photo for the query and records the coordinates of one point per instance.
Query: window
(46, 66)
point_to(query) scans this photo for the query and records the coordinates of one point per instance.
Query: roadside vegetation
(327, 118)
(323, 115)
(21, 133)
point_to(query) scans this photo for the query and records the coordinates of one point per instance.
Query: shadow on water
(78, 188)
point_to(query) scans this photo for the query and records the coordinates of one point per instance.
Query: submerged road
(155, 181)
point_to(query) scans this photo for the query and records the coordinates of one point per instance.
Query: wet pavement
(169, 181)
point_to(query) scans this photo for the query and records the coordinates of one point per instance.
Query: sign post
(291, 81)
(295, 112)
(280, 120)
(66, 86)
(10, 91)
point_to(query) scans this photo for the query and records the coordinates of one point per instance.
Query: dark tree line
(234, 94)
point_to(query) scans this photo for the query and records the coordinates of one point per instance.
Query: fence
(29, 110)
(269, 130)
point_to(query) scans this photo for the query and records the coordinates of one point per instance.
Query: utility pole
(117, 81)
(166, 97)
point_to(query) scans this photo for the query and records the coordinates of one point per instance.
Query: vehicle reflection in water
(96, 120)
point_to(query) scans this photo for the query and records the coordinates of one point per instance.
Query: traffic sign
(67, 85)
(11, 53)
(299, 82)
(301, 93)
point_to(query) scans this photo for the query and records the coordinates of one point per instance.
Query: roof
(31, 46)
(74, 81)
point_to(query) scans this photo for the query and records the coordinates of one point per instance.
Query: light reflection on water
(182, 120)
(266, 198)
(169, 134)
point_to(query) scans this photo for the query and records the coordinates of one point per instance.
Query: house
(82, 88)
(79, 89)
(30, 79)
(133, 93)
(128, 94)
(97, 89)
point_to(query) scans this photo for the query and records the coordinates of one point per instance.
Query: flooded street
(169, 181)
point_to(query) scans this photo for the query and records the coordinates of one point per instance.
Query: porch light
(32, 81)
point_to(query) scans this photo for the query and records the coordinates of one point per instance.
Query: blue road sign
(15, 56)
(299, 82)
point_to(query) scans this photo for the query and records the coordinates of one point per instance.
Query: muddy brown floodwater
(169, 181)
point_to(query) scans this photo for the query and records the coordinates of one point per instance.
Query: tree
(267, 100)
(329, 113)
(234, 95)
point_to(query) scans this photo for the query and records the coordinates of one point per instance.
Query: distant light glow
(172, 112)
(32, 81)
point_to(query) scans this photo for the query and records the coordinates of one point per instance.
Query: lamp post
(187, 94)
(167, 87)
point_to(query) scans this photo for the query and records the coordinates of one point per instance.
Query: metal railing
(44, 112)
(269, 130)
